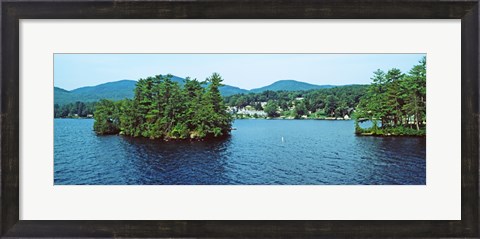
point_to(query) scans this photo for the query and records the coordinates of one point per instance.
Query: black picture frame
(13, 11)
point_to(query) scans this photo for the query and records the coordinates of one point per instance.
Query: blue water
(313, 152)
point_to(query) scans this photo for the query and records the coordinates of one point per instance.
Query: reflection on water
(311, 153)
(184, 162)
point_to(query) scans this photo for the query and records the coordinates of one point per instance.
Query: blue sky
(246, 71)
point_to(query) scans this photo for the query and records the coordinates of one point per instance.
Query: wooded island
(161, 109)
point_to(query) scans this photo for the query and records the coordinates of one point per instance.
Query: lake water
(313, 152)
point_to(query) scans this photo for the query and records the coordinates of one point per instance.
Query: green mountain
(228, 90)
(61, 96)
(113, 90)
(290, 85)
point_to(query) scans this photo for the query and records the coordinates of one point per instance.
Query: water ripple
(311, 153)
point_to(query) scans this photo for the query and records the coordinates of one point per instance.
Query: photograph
(239, 119)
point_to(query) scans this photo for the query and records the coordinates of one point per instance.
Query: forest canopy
(162, 109)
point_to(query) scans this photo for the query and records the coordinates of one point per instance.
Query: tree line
(162, 109)
(328, 102)
(77, 109)
(395, 102)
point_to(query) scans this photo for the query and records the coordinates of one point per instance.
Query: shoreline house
(246, 112)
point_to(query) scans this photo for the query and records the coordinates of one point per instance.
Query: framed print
(239, 119)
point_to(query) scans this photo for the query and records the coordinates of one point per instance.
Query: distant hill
(117, 90)
(228, 90)
(62, 96)
(290, 85)
(112, 90)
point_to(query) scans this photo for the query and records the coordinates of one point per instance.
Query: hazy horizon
(246, 71)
